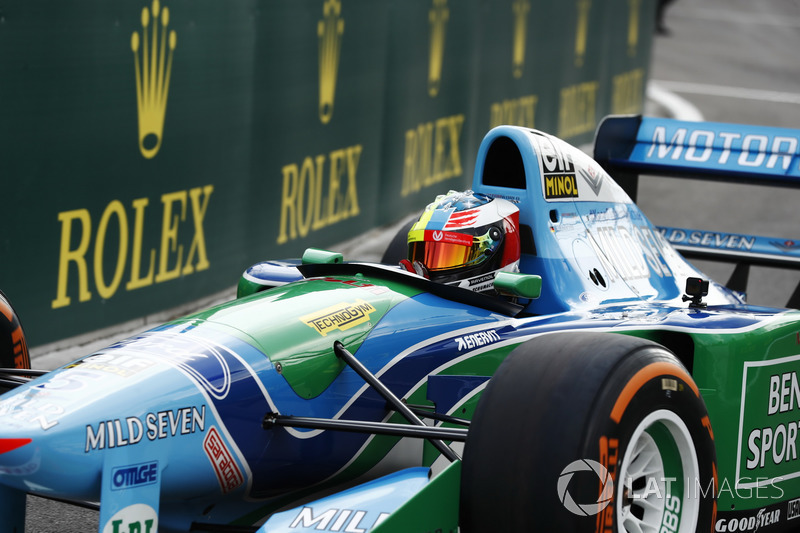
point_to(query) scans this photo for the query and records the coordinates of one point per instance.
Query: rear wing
(627, 146)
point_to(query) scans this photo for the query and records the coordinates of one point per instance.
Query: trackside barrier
(153, 149)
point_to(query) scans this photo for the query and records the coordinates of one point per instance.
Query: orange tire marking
(643, 376)
(5, 310)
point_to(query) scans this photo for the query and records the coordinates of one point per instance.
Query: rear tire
(589, 432)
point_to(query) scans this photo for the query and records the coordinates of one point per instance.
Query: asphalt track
(724, 61)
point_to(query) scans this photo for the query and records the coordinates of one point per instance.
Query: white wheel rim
(646, 498)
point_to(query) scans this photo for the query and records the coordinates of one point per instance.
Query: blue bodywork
(165, 429)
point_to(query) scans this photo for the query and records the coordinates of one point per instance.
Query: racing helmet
(464, 239)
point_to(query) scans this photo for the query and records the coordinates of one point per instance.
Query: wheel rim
(656, 477)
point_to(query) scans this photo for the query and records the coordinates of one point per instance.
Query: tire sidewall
(556, 400)
(608, 440)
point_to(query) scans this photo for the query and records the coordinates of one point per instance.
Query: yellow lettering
(174, 207)
(516, 112)
(114, 208)
(288, 200)
(351, 200)
(577, 109)
(307, 176)
(320, 217)
(198, 245)
(432, 153)
(628, 92)
(136, 280)
(315, 197)
(66, 255)
(335, 201)
(169, 236)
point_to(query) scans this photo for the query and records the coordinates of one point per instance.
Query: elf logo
(138, 518)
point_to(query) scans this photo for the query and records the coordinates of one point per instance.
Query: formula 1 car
(608, 386)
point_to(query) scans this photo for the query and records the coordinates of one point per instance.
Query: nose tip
(8, 445)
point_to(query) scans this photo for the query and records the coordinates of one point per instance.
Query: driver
(464, 239)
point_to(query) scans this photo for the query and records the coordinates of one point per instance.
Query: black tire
(13, 346)
(563, 421)
(398, 247)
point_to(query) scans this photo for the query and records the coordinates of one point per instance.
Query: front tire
(589, 432)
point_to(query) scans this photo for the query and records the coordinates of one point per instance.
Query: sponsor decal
(709, 238)
(476, 340)
(203, 361)
(320, 191)
(593, 178)
(609, 456)
(560, 186)
(153, 70)
(750, 524)
(228, 473)
(153, 426)
(138, 475)
(518, 111)
(139, 517)
(481, 283)
(34, 408)
(627, 92)
(577, 112)
(449, 237)
(558, 169)
(329, 31)
(182, 215)
(769, 150)
(374, 289)
(769, 422)
(786, 246)
(634, 252)
(520, 8)
(111, 363)
(438, 17)
(432, 153)
(340, 317)
(793, 509)
(347, 520)
(581, 31)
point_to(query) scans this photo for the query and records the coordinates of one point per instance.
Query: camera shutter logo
(586, 509)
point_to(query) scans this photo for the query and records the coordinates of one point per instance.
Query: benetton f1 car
(608, 386)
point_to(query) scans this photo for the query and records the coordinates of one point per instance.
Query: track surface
(731, 61)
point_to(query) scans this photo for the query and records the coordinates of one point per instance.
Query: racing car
(608, 385)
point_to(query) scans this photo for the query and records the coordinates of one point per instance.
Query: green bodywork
(298, 342)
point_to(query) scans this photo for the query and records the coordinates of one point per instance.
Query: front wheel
(588, 432)
(13, 346)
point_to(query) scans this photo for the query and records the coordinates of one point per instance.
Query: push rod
(389, 396)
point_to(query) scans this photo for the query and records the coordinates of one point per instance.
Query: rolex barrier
(154, 149)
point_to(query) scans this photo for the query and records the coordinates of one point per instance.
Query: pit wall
(153, 150)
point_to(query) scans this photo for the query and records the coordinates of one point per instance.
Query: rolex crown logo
(633, 26)
(521, 9)
(329, 31)
(153, 65)
(438, 16)
(582, 29)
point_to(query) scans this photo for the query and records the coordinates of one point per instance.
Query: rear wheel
(589, 432)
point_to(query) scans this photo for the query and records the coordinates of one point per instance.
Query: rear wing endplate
(627, 146)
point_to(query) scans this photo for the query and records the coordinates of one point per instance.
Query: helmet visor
(443, 253)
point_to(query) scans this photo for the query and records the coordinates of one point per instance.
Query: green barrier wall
(152, 150)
